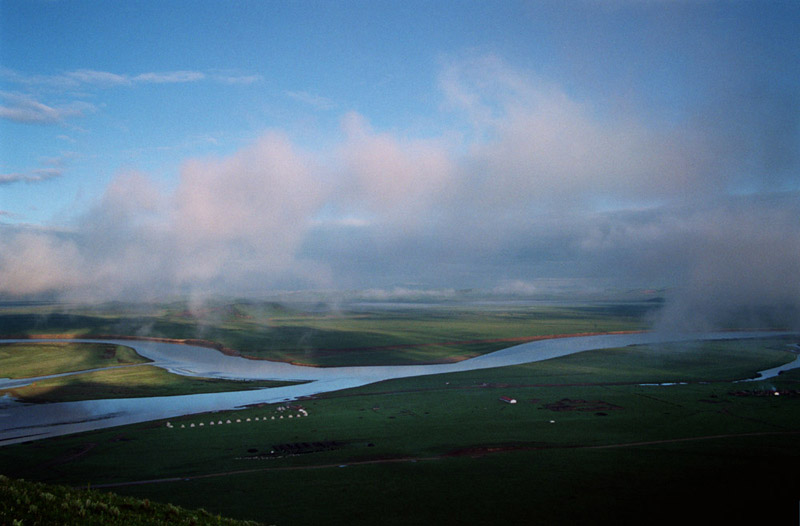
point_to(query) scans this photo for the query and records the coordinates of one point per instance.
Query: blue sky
(249, 146)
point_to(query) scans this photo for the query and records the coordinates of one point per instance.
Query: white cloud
(394, 178)
(534, 143)
(169, 77)
(90, 78)
(243, 80)
(316, 101)
(50, 169)
(233, 223)
(34, 176)
(99, 78)
(248, 210)
(34, 262)
(511, 205)
(26, 109)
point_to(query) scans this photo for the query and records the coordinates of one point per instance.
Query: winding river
(21, 422)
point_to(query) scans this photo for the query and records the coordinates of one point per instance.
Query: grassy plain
(129, 382)
(586, 443)
(321, 334)
(26, 360)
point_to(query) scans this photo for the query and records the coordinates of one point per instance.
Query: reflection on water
(24, 422)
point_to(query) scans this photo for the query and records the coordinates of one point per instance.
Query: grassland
(127, 383)
(24, 503)
(26, 360)
(328, 336)
(586, 443)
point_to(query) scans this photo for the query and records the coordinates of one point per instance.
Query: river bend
(24, 422)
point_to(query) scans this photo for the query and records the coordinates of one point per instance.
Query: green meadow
(123, 374)
(127, 383)
(27, 360)
(325, 335)
(585, 443)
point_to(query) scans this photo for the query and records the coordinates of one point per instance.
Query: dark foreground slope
(31, 503)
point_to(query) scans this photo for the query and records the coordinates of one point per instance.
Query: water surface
(24, 422)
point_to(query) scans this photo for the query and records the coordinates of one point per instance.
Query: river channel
(21, 422)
